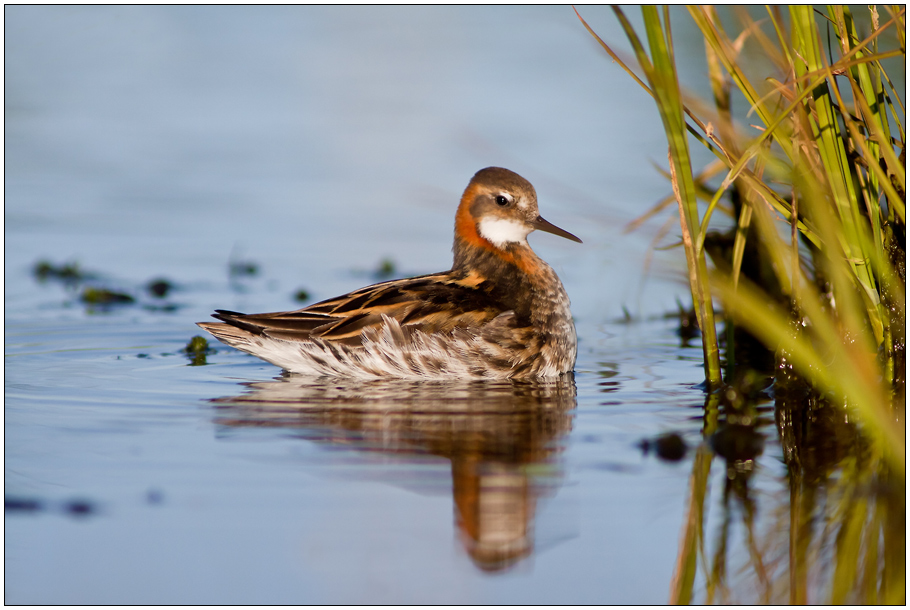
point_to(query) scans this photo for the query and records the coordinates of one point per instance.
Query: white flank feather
(388, 351)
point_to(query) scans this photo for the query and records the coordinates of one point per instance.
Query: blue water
(147, 142)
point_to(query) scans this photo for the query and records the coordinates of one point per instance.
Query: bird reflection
(501, 438)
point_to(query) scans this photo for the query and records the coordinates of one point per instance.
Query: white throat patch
(500, 231)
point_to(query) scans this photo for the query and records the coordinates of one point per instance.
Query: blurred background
(315, 140)
(322, 149)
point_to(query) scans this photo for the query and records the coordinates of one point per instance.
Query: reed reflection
(501, 438)
(830, 527)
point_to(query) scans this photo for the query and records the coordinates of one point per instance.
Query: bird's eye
(502, 200)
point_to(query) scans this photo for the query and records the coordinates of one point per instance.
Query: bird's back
(427, 326)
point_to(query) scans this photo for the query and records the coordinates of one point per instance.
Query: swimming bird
(500, 312)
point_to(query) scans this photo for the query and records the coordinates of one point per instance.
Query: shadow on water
(501, 439)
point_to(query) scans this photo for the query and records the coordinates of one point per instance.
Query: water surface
(313, 142)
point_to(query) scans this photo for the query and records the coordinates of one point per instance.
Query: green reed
(660, 72)
(813, 268)
(820, 178)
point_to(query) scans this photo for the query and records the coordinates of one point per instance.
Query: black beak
(542, 225)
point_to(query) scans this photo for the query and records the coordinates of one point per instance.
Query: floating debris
(79, 508)
(669, 447)
(154, 496)
(197, 349)
(239, 268)
(301, 296)
(386, 269)
(197, 345)
(159, 287)
(103, 296)
(67, 272)
(74, 508)
(22, 505)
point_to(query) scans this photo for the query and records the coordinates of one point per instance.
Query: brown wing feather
(430, 303)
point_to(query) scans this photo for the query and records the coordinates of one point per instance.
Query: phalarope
(499, 313)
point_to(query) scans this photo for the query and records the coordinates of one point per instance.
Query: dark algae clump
(103, 296)
(67, 272)
(159, 288)
(197, 349)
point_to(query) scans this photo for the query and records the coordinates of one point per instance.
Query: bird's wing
(435, 303)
